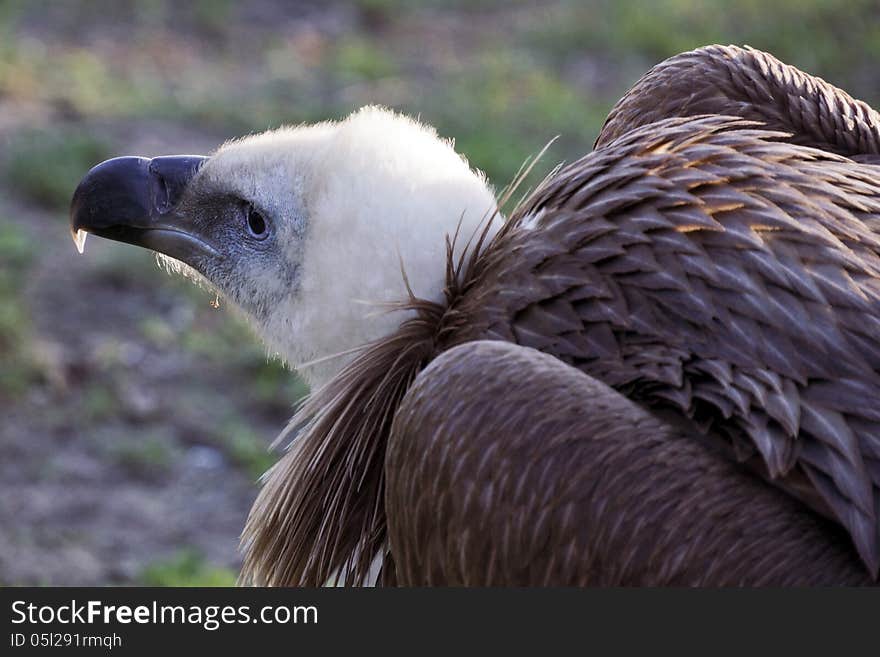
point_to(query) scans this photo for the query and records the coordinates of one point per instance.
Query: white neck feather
(382, 190)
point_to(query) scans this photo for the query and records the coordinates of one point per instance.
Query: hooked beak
(132, 200)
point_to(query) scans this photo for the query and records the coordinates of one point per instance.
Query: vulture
(661, 368)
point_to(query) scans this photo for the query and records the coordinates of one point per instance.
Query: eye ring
(256, 223)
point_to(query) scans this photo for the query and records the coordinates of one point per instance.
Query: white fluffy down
(356, 196)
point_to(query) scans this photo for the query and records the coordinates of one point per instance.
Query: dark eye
(256, 223)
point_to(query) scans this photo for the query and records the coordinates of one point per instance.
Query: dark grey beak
(132, 200)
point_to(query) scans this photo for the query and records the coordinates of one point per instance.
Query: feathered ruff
(320, 515)
(321, 512)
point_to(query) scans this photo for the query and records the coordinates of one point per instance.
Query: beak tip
(79, 239)
(125, 198)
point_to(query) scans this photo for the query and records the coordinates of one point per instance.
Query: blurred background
(136, 416)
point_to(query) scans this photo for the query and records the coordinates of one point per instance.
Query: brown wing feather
(752, 85)
(697, 265)
(542, 475)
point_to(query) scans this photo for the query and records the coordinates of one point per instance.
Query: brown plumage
(752, 85)
(544, 475)
(713, 270)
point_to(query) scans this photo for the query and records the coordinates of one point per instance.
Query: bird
(660, 369)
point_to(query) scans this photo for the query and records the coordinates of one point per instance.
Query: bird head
(303, 229)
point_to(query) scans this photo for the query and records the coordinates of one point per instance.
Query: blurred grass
(19, 370)
(247, 448)
(517, 75)
(360, 59)
(99, 402)
(186, 568)
(146, 457)
(44, 166)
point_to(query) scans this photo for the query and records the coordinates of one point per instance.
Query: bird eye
(256, 223)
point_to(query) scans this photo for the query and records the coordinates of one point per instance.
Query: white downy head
(343, 203)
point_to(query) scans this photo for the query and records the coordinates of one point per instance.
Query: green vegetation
(520, 75)
(809, 33)
(247, 448)
(99, 402)
(523, 75)
(186, 568)
(45, 166)
(362, 60)
(269, 377)
(15, 250)
(222, 339)
(125, 267)
(145, 456)
(19, 370)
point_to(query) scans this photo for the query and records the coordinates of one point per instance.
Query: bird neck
(356, 278)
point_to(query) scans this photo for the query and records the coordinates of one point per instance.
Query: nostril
(161, 192)
(164, 199)
(170, 176)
